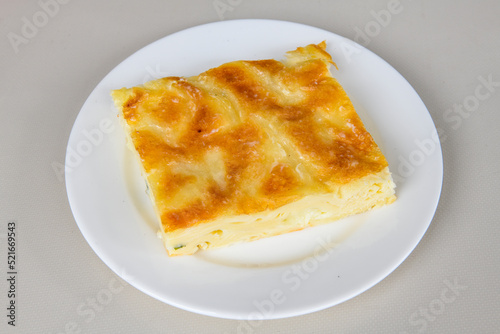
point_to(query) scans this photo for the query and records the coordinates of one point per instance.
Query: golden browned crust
(246, 136)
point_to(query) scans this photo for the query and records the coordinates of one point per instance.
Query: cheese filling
(368, 193)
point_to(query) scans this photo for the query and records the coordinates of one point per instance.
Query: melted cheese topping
(247, 141)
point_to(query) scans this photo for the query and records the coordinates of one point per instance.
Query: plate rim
(320, 306)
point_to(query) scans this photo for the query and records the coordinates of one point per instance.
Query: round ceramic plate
(278, 277)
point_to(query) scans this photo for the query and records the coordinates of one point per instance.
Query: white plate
(276, 277)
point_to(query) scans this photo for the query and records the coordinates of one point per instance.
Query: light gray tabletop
(54, 52)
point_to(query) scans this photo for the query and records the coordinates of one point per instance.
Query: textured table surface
(54, 52)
